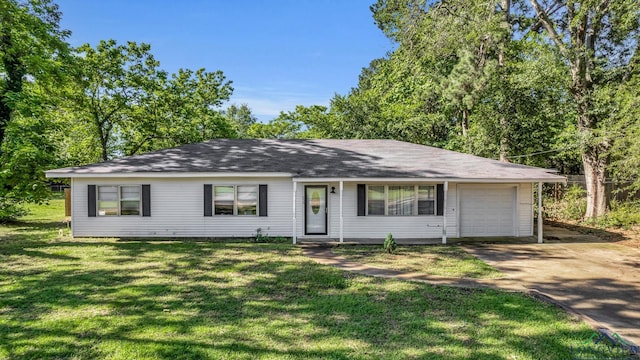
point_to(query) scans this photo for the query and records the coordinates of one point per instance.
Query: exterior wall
(367, 227)
(177, 210)
(525, 209)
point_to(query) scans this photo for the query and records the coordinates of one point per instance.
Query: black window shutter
(146, 200)
(362, 199)
(440, 199)
(262, 200)
(91, 203)
(208, 200)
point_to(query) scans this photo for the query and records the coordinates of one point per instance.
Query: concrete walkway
(598, 281)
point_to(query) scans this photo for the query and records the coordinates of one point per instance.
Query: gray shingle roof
(315, 159)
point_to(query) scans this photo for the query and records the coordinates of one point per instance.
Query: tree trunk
(14, 72)
(465, 122)
(504, 140)
(504, 124)
(595, 176)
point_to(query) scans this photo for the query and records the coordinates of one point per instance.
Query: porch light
(333, 189)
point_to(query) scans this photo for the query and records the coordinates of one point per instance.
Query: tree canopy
(542, 82)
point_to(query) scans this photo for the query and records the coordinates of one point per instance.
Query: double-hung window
(401, 200)
(235, 199)
(119, 200)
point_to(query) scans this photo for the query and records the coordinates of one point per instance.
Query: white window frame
(416, 190)
(235, 199)
(119, 199)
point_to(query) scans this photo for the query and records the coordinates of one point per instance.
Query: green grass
(450, 260)
(113, 299)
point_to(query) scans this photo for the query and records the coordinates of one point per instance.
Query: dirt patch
(628, 237)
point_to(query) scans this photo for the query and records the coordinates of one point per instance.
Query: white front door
(315, 210)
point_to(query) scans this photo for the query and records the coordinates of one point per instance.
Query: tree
(285, 126)
(111, 80)
(32, 46)
(468, 75)
(33, 53)
(131, 106)
(182, 109)
(591, 36)
(624, 97)
(241, 119)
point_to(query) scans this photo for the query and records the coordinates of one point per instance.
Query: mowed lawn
(438, 260)
(81, 298)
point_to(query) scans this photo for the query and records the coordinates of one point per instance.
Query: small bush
(622, 214)
(389, 244)
(11, 211)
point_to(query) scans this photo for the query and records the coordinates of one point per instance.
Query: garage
(487, 210)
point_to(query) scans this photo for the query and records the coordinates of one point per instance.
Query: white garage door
(487, 211)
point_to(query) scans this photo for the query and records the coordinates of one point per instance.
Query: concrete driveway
(599, 280)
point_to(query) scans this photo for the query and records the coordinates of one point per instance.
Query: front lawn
(439, 260)
(109, 298)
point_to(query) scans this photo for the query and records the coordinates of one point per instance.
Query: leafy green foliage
(33, 53)
(571, 206)
(621, 215)
(132, 106)
(389, 244)
(240, 118)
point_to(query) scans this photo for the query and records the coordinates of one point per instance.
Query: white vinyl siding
(177, 208)
(371, 227)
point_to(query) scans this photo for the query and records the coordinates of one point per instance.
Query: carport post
(444, 213)
(293, 230)
(341, 217)
(540, 239)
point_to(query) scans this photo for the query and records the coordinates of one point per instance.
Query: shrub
(389, 244)
(622, 214)
(10, 211)
(571, 206)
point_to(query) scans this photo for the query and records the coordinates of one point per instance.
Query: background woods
(540, 82)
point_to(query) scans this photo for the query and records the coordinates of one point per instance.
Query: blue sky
(278, 53)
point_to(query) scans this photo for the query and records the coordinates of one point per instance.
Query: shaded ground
(593, 276)
(599, 280)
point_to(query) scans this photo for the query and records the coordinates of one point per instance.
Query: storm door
(315, 210)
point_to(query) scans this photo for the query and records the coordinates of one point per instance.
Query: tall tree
(33, 53)
(182, 108)
(130, 106)
(591, 36)
(241, 118)
(32, 45)
(111, 80)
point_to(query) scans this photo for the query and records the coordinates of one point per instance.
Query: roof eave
(164, 174)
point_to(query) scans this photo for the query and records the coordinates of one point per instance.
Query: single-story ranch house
(304, 189)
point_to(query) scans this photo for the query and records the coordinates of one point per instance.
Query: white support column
(341, 211)
(293, 233)
(540, 212)
(444, 213)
